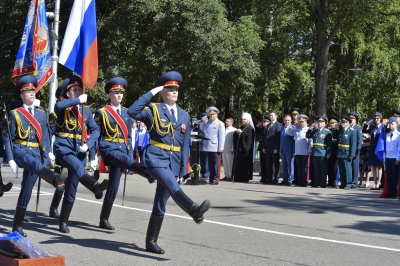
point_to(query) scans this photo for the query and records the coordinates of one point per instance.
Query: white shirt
(32, 108)
(175, 111)
(116, 108)
(228, 146)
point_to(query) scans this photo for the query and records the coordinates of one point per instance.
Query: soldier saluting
(167, 154)
(28, 146)
(115, 146)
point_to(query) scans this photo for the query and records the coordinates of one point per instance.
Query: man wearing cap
(356, 160)
(396, 113)
(228, 152)
(271, 148)
(295, 112)
(115, 146)
(166, 157)
(332, 167)
(347, 146)
(204, 170)
(302, 148)
(72, 144)
(260, 129)
(321, 151)
(28, 146)
(214, 130)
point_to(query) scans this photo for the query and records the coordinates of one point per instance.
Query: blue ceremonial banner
(381, 144)
(34, 56)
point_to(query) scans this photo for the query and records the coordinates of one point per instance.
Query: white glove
(181, 181)
(14, 167)
(83, 148)
(157, 90)
(93, 164)
(204, 118)
(83, 98)
(52, 158)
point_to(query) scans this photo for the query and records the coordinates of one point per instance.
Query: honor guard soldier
(116, 144)
(167, 154)
(347, 146)
(356, 160)
(28, 146)
(321, 150)
(68, 148)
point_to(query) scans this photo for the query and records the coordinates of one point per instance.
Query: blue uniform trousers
(212, 160)
(117, 161)
(345, 169)
(392, 171)
(76, 169)
(204, 171)
(166, 187)
(31, 163)
(287, 167)
(356, 169)
(302, 167)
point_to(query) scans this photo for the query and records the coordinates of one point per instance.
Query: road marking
(249, 228)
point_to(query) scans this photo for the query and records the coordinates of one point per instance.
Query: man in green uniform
(347, 145)
(321, 151)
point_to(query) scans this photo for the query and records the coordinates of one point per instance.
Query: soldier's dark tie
(30, 110)
(173, 116)
(118, 112)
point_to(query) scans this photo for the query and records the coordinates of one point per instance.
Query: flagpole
(83, 115)
(54, 54)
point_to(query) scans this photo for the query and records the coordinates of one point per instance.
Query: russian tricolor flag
(79, 48)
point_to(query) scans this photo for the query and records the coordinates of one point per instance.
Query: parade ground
(247, 224)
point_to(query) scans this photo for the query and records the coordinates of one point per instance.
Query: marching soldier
(116, 144)
(167, 154)
(321, 150)
(68, 148)
(28, 146)
(347, 145)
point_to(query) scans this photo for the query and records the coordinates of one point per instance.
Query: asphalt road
(248, 224)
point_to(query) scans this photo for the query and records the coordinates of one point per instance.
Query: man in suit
(116, 144)
(287, 151)
(214, 130)
(356, 160)
(347, 146)
(72, 144)
(166, 157)
(228, 152)
(28, 146)
(271, 148)
(260, 129)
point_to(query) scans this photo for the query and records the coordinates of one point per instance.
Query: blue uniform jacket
(2, 153)
(20, 149)
(68, 145)
(156, 157)
(107, 146)
(347, 142)
(215, 131)
(287, 141)
(358, 129)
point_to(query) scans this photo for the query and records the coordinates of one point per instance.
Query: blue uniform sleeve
(92, 127)
(61, 105)
(10, 136)
(185, 149)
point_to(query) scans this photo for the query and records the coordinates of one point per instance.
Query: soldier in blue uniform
(347, 146)
(356, 160)
(167, 154)
(116, 144)
(68, 148)
(30, 147)
(321, 150)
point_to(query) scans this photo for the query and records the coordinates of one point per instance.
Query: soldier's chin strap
(157, 122)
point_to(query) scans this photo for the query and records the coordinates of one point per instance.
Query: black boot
(54, 204)
(105, 214)
(57, 180)
(191, 208)
(88, 182)
(96, 175)
(135, 167)
(66, 209)
(19, 220)
(153, 230)
(4, 188)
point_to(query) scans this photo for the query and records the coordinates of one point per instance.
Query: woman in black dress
(374, 129)
(244, 141)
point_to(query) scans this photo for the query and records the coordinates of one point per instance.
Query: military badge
(322, 136)
(163, 120)
(183, 127)
(126, 118)
(346, 136)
